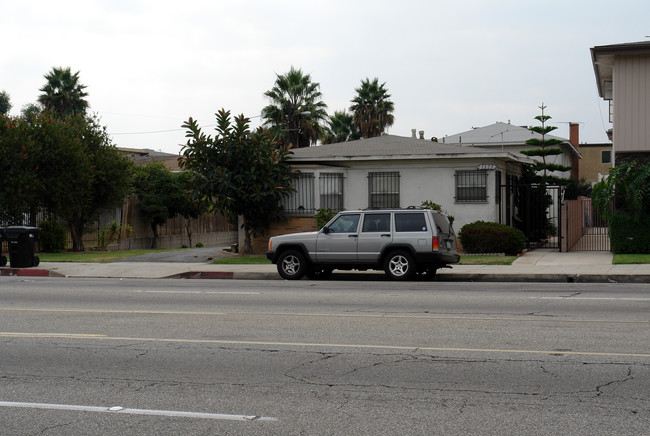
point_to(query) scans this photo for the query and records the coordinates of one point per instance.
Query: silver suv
(402, 242)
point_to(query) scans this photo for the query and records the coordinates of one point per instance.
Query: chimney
(574, 139)
(413, 133)
(421, 134)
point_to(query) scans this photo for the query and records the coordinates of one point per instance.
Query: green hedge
(627, 236)
(488, 237)
(53, 236)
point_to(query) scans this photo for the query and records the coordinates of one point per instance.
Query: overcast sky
(449, 65)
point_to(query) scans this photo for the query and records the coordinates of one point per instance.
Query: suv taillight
(435, 245)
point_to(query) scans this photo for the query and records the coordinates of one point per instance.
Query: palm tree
(295, 111)
(63, 93)
(372, 109)
(340, 128)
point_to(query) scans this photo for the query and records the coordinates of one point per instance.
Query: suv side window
(345, 224)
(410, 222)
(376, 222)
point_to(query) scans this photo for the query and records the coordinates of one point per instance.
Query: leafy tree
(626, 188)
(545, 149)
(5, 103)
(243, 173)
(81, 173)
(19, 166)
(159, 193)
(623, 198)
(190, 208)
(372, 109)
(340, 128)
(295, 112)
(31, 109)
(63, 93)
(64, 166)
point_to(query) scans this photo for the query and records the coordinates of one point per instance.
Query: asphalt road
(247, 357)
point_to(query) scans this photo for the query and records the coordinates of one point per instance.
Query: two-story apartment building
(623, 78)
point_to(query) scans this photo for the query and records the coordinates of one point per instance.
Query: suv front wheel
(399, 265)
(292, 265)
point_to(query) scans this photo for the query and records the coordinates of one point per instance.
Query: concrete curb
(548, 277)
(29, 272)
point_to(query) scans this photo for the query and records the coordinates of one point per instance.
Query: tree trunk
(154, 243)
(188, 229)
(77, 233)
(248, 244)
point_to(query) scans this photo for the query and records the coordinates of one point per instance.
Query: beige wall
(591, 163)
(631, 83)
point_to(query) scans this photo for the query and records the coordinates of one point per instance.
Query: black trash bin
(3, 259)
(21, 241)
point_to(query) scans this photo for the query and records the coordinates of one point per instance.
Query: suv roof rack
(395, 208)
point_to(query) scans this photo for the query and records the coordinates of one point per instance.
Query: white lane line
(124, 410)
(199, 292)
(593, 298)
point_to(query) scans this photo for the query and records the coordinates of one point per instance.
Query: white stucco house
(395, 171)
(511, 138)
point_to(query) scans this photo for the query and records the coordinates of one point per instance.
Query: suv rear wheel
(292, 265)
(399, 265)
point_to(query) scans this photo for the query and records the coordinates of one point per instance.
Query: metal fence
(586, 229)
(535, 210)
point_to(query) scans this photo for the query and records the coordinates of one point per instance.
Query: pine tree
(545, 148)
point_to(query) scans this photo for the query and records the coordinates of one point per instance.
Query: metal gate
(586, 229)
(534, 209)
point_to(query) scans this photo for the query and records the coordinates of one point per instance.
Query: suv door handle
(353, 236)
(386, 235)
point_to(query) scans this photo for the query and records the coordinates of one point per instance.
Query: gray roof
(496, 134)
(391, 147)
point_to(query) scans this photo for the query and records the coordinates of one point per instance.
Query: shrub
(323, 216)
(53, 236)
(428, 204)
(109, 233)
(627, 236)
(488, 237)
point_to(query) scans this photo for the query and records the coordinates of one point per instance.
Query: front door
(339, 243)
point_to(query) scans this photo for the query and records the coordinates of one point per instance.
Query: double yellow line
(413, 349)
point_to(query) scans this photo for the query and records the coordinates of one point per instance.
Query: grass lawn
(242, 260)
(93, 256)
(464, 260)
(486, 260)
(622, 259)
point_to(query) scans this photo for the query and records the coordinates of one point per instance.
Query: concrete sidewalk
(539, 265)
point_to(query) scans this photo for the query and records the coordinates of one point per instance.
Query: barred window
(471, 186)
(302, 200)
(383, 189)
(331, 191)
